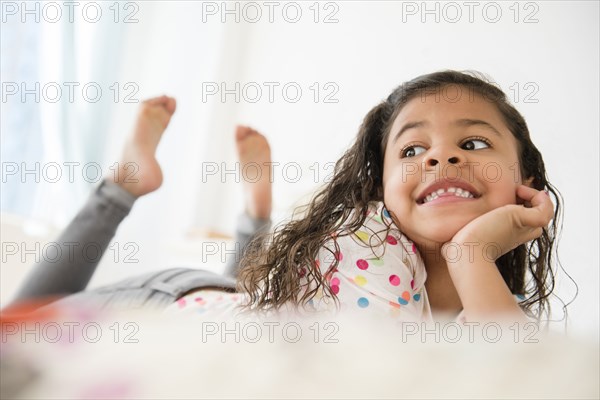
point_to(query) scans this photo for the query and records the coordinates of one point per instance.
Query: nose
(435, 158)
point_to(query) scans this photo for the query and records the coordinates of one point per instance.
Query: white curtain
(166, 51)
(20, 125)
(61, 133)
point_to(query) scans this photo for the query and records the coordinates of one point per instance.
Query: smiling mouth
(449, 194)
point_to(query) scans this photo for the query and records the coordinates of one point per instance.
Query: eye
(411, 151)
(475, 144)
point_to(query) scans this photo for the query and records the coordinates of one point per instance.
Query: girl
(439, 209)
(446, 195)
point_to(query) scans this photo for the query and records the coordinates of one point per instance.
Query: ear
(528, 181)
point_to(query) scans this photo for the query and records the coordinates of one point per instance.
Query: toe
(154, 100)
(241, 132)
(171, 105)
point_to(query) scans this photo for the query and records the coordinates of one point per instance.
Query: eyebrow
(464, 122)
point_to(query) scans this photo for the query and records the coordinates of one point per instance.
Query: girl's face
(452, 143)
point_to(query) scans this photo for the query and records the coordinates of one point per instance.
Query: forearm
(482, 290)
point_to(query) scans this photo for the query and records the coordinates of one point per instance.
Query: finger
(537, 198)
(525, 195)
(538, 216)
(544, 203)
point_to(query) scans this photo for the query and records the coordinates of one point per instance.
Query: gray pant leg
(247, 228)
(81, 245)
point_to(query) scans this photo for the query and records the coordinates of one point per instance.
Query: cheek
(503, 192)
(397, 192)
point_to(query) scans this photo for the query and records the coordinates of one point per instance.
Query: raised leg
(85, 239)
(254, 154)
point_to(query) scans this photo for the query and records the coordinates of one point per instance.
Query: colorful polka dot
(394, 280)
(181, 302)
(335, 289)
(378, 262)
(335, 282)
(386, 213)
(360, 280)
(363, 302)
(391, 240)
(364, 236)
(404, 298)
(302, 272)
(412, 284)
(200, 301)
(362, 264)
(339, 256)
(417, 297)
(395, 305)
(414, 248)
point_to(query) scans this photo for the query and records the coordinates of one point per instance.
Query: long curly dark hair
(276, 268)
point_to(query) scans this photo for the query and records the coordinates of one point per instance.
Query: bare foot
(139, 173)
(254, 154)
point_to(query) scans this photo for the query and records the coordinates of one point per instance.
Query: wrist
(460, 253)
(478, 282)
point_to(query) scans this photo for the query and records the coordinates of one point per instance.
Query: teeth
(457, 192)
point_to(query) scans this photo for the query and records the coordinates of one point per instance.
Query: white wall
(368, 52)
(371, 50)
